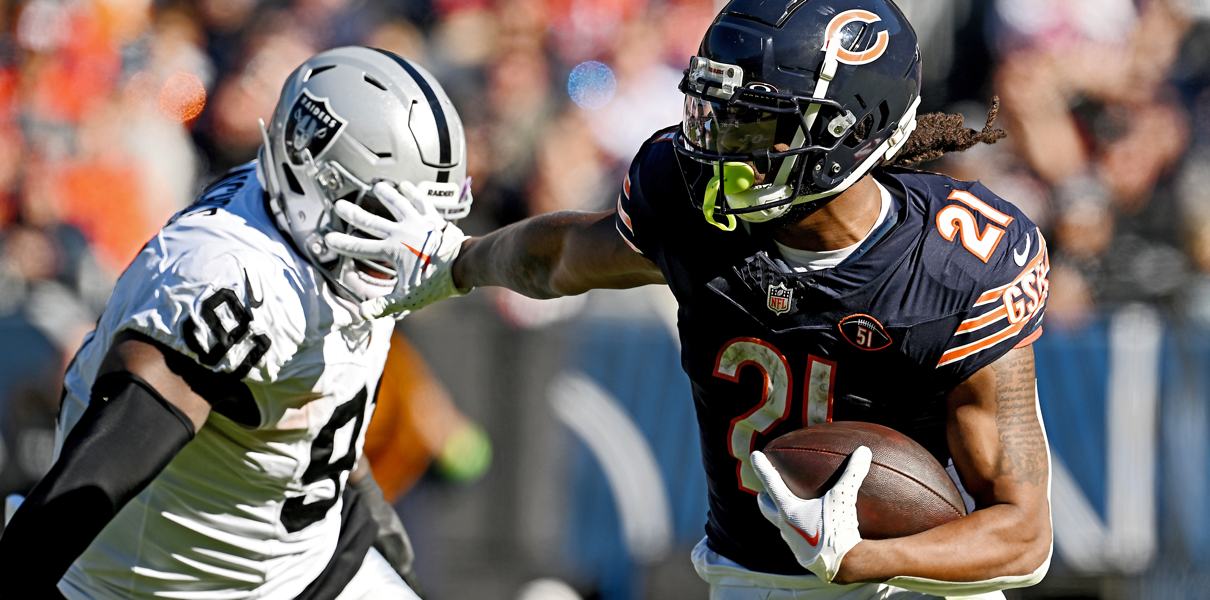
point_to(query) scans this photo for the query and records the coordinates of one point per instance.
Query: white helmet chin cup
(346, 119)
(759, 196)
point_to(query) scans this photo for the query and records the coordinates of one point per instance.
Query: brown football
(907, 491)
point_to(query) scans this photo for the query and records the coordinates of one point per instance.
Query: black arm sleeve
(128, 434)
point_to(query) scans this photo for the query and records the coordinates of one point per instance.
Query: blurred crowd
(114, 112)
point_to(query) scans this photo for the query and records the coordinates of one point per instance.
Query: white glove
(420, 244)
(820, 531)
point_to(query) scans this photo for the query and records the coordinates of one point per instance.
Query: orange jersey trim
(994, 294)
(977, 323)
(973, 348)
(625, 217)
(1033, 337)
(627, 240)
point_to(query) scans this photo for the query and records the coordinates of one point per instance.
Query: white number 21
(775, 404)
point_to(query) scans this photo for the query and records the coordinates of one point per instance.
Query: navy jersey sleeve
(638, 219)
(1005, 255)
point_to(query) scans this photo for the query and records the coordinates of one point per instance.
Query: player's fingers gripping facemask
(348, 119)
(416, 247)
(790, 106)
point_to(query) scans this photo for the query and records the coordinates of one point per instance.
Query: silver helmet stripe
(443, 130)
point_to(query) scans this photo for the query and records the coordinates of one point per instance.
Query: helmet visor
(728, 129)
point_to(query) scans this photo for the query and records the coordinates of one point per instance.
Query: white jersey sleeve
(228, 312)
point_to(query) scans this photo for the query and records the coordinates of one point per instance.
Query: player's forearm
(126, 437)
(528, 257)
(1001, 541)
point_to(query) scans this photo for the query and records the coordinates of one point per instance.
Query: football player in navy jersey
(817, 280)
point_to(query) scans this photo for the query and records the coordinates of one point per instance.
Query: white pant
(376, 579)
(730, 581)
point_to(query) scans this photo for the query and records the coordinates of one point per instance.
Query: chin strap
(268, 177)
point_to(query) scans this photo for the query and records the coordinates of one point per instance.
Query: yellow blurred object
(415, 422)
(466, 455)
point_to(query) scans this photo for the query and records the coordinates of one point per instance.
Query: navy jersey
(954, 278)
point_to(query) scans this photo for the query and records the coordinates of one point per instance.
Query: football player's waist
(105, 571)
(750, 543)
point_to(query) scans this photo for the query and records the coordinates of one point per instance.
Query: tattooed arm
(1000, 451)
(557, 254)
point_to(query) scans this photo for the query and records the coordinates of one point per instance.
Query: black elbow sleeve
(125, 437)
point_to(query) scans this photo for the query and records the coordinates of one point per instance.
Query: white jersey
(251, 507)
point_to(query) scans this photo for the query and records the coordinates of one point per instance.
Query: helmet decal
(757, 95)
(347, 118)
(312, 125)
(864, 57)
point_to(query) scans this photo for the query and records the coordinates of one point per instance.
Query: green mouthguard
(735, 178)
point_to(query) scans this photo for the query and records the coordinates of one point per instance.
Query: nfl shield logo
(780, 298)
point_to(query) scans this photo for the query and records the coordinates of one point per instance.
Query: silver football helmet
(348, 118)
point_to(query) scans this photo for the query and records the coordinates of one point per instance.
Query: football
(907, 491)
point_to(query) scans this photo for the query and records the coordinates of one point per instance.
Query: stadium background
(114, 112)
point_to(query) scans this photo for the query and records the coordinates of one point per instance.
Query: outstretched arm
(547, 256)
(557, 254)
(1000, 451)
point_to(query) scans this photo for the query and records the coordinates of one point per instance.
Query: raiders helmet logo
(864, 332)
(312, 125)
(864, 57)
(781, 299)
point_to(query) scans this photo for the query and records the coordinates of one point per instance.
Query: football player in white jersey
(210, 423)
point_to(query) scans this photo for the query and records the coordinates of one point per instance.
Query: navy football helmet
(811, 94)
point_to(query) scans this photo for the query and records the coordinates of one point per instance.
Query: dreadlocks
(939, 133)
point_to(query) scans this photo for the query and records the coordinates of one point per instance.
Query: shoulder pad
(993, 259)
(232, 310)
(652, 188)
(973, 237)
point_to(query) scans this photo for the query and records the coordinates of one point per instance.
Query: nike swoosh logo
(811, 539)
(252, 301)
(422, 256)
(1021, 257)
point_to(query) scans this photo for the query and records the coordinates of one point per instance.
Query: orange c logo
(866, 57)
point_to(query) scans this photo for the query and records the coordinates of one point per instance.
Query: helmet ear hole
(884, 115)
(291, 180)
(861, 132)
